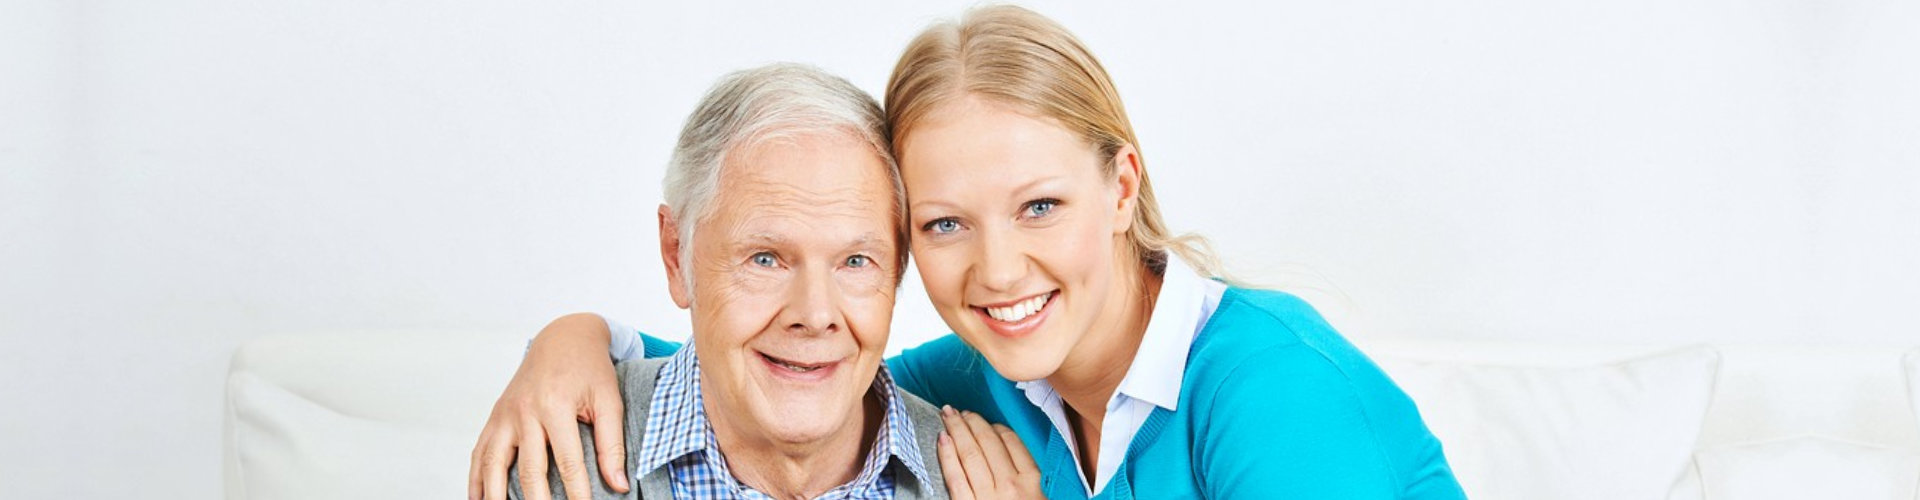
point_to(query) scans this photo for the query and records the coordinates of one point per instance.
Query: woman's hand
(985, 461)
(566, 377)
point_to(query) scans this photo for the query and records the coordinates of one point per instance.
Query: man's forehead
(771, 213)
(828, 189)
(774, 232)
(754, 191)
(814, 184)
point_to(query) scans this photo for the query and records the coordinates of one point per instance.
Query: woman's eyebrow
(1036, 184)
(920, 206)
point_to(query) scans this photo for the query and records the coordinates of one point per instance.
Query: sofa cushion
(361, 415)
(1911, 362)
(1618, 430)
(1808, 467)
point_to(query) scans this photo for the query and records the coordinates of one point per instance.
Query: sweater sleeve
(628, 343)
(1286, 422)
(945, 371)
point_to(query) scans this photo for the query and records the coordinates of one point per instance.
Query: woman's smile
(1017, 318)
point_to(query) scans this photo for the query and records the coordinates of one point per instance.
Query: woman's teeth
(1021, 310)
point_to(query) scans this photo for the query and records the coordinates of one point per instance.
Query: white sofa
(394, 415)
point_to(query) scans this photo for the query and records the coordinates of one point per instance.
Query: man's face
(793, 280)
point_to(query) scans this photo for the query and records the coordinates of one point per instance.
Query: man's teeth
(1021, 310)
(802, 369)
(794, 367)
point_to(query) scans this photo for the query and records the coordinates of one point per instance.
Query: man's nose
(813, 304)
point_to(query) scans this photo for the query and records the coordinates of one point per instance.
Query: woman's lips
(1026, 314)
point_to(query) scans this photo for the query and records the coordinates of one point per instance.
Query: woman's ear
(1127, 181)
(670, 247)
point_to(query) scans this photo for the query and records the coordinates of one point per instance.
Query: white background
(179, 177)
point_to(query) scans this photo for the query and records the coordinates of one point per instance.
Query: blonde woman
(1107, 344)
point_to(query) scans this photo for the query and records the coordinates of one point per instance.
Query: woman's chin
(1023, 365)
(1020, 360)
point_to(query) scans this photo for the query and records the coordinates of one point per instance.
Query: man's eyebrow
(762, 239)
(865, 241)
(870, 241)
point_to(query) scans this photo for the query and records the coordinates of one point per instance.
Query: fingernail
(947, 410)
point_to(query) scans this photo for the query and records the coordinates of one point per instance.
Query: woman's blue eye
(1040, 208)
(764, 259)
(942, 226)
(858, 261)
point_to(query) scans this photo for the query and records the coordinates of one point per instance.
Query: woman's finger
(990, 447)
(967, 447)
(1016, 450)
(533, 464)
(610, 437)
(950, 468)
(474, 487)
(494, 463)
(1027, 473)
(563, 434)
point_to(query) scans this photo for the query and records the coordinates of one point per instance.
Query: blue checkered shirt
(679, 437)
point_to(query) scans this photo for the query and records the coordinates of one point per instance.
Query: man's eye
(942, 226)
(858, 261)
(764, 259)
(1040, 207)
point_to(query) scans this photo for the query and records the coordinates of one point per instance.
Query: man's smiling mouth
(794, 366)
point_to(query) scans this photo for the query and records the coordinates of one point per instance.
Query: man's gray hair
(776, 101)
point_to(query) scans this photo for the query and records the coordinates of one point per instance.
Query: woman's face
(1015, 228)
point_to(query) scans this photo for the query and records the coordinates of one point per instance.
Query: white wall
(179, 177)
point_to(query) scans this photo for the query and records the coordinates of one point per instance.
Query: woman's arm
(946, 372)
(565, 379)
(1343, 433)
(630, 343)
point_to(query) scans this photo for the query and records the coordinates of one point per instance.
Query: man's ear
(1128, 177)
(670, 246)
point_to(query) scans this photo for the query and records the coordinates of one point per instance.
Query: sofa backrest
(395, 414)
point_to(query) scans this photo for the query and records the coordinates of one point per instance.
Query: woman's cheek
(942, 273)
(1078, 247)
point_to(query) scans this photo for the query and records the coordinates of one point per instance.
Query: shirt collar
(677, 424)
(676, 421)
(1186, 301)
(897, 435)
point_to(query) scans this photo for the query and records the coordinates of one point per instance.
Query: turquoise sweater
(1275, 404)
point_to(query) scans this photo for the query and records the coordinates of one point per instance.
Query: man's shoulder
(926, 425)
(637, 380)
(923, 415)
(638, 376)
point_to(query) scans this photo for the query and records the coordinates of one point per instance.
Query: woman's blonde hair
(1015, 57)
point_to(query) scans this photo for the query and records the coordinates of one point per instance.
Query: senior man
(782, 235)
